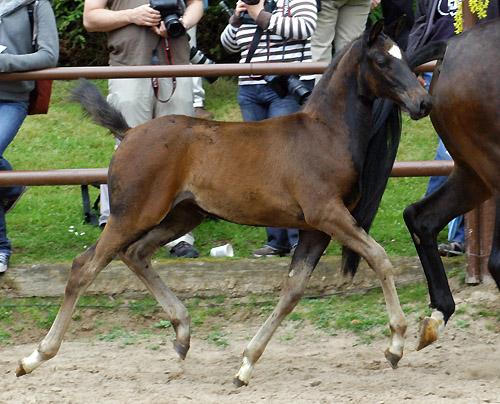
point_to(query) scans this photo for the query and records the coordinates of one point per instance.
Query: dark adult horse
(298, 171)
(466, 115)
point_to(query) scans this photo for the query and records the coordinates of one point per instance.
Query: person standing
(137, 36)
(339, 22)
(274, 31)
(28, 41)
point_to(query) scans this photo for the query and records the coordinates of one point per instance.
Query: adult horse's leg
(338, 222)
(138, 258)
(494, 260)
(307, 254)
(461, 192)
(83, 271)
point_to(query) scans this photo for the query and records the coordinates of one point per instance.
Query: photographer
(144, 33)
(266, 32)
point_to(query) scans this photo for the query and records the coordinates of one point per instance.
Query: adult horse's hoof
(20, 371)
(238, 382)
(428, 332)
(393, 359)
(181, 349)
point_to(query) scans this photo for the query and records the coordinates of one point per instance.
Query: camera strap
(155, 62)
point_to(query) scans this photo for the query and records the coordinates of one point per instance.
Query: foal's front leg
(338, 222)
(307, 254)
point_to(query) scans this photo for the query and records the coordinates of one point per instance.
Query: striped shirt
(286, 39)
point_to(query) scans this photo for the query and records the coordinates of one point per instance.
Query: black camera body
(170, 14)
(282, 85)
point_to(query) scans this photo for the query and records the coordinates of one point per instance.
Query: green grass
(47, 225)
(119, 321)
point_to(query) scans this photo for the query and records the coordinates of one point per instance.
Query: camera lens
(174, 27)
(300, 91)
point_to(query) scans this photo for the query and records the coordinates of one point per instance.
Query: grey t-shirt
(133, 45)
(16, 38)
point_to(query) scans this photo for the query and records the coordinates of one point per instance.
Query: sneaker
(268, 252)
(9, 204)
(4, 263)
(183, 250)
(200, 112)
(451, 249)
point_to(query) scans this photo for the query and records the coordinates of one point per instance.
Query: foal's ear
(375, 31)
(394, 28)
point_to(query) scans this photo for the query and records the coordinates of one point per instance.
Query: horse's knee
(420, 228)
(79, 277)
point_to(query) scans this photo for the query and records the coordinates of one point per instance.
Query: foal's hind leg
(338, 222)
(138, 258)
(307, 254)
(461, 192)
(84, 270)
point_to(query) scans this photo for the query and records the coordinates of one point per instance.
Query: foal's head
(384, 73)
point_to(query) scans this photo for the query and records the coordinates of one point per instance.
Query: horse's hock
(208, 277)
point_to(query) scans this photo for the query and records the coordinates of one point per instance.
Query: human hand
(160, 30)
(374, 4)
(252, 10)
(240, 8)
(145, 15)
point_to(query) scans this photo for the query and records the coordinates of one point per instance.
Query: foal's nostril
(425, 106)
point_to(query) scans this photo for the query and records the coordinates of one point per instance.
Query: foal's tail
(385, 134)
(97, 108)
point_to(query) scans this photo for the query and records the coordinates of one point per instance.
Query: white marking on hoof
(291, 273)
(395, 52)
(31, 362)
(245, 371)
(439, 317)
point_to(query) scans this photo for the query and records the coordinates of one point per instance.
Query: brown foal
(298, 171)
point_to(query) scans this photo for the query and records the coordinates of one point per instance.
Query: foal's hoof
(427, 332)
(20, 371)
(238, 382)
(181, 349)
(393, 359)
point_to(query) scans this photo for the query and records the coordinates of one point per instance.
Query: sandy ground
(299, 366)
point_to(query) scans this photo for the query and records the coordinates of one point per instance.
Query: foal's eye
(382, 64)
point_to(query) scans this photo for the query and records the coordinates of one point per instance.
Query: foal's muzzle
(419, 106)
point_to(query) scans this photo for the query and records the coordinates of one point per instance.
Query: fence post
(479, 228)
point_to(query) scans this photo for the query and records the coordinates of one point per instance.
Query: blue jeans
(456, 228)
(259, 102)
(12, 115)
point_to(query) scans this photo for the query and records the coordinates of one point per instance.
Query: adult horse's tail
(98, 109)
(382, 148)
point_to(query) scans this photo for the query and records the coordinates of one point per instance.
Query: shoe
(4, 263)
(451, 249)
(200, 112)
(268, 252)
(9, 204)
(183, 250)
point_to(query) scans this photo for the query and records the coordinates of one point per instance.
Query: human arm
(191, 16)
(299, 23)
(47, 43)
(97, 18)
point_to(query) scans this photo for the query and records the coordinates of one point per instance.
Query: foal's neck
(336, 97)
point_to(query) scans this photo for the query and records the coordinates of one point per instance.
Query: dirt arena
(299, 366)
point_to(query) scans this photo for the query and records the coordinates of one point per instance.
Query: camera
(282, 85)
(170, 14)
(197, 57)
